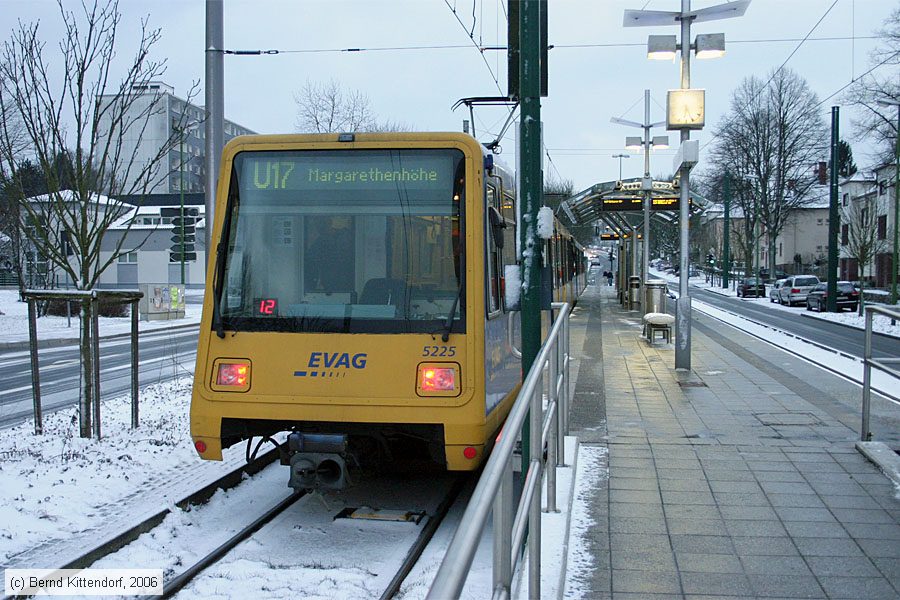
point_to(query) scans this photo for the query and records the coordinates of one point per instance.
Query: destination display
(320, 171)
(611, 237)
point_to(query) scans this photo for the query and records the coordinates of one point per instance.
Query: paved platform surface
(738, 479)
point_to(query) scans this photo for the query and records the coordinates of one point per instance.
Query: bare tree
(13, 144)
(771, 136)
(75, 121)
(874, 122)
(329, 108)
(863, 241)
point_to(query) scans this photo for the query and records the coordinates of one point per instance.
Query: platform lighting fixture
(662, 47)
(660, 142)
(709, 45)
(706, 45)
(633, 143)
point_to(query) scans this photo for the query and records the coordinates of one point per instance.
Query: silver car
(795, 289)
(775, 292)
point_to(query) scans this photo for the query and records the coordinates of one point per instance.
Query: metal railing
(494, 492)
(884, 364)
(92, 332)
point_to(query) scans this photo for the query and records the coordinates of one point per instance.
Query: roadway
(163, 355)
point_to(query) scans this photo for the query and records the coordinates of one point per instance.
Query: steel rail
(230, 480)
(174, 585)
(425, 536)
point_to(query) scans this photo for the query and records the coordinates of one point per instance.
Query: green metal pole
(834, 217)
(726, 235)
(894, 263)
(532, 190)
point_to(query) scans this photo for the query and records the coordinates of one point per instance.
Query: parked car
(749, 287)
(847, 296)
(779, 274)
(795, 289)
(775, 291)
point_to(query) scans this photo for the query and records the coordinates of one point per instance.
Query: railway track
(427, 525)
(318, 515)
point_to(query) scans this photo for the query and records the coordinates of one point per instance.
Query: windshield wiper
(217, 290)
(448, 322)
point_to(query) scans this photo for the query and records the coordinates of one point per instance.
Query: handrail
(865, 434)
(494, 489)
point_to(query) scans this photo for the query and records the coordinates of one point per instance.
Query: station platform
(738, 479)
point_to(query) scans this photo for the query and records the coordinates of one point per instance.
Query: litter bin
(655, 296)
(634, 291)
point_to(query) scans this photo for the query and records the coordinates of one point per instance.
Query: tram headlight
(231, 375)
(438, 379)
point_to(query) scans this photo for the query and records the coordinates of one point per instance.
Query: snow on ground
(55, 485)
(14, 321)
(580, 562)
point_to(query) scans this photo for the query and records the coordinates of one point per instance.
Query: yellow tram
(356, 301)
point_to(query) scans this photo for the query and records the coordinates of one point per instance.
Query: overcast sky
(598, 69)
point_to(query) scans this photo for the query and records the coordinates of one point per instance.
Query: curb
(884, 458)
(848, 326)
(56, 342)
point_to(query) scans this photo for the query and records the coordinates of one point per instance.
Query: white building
(148, 248)
(185, 160)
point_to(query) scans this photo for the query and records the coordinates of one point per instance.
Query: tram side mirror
(497, 226)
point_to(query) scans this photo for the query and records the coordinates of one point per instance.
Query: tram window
(493, 256)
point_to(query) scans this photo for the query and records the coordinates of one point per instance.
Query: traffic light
(183, 231)
(710, 258)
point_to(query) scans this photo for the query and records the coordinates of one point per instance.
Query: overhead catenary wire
(474, 43)
(486, 48)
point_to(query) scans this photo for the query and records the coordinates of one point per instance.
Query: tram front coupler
(317, 461)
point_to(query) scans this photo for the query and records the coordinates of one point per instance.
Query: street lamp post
(620, 157)
(894, 264)
(707, 46)
(660, 141)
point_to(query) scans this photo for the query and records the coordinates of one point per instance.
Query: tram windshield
(364, 241)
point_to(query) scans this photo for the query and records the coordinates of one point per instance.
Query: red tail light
(795, 291)
(438, 379)
(233, 374)
(434, 379)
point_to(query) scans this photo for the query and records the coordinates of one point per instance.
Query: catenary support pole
(532, 189)
(895, 265)
(726, 232)
(215, 107)
(834, 216)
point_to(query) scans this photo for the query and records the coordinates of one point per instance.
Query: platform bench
(658, 323)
